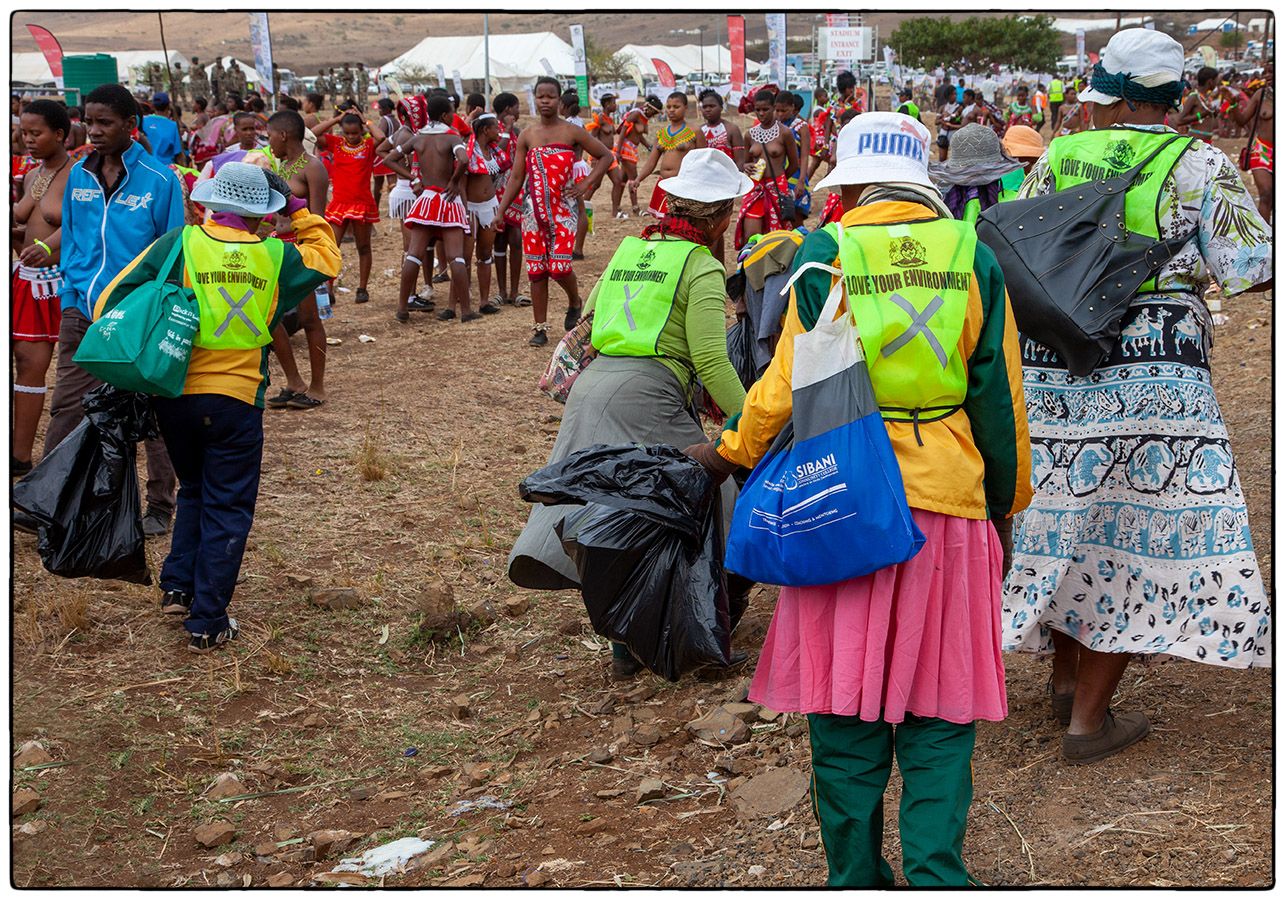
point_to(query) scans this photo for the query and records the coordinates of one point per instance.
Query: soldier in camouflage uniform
(345, 89)
(322, 87)
(218, 85)
(200, 81)
(363, 86)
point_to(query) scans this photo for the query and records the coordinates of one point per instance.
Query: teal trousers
(851, 764)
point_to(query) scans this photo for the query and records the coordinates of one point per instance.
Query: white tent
(516, 59)
(1071, 26)
(686, 59)
(31, 68)
(1223, 24)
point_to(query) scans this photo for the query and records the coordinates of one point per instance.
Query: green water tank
(85, 72)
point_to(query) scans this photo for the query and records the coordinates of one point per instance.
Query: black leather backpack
(1072, 267)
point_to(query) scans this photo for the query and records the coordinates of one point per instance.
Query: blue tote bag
(826, 503)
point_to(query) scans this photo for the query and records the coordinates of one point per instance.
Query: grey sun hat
(976, 157)
(238, 188)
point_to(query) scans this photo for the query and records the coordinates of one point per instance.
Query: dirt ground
(350, 720)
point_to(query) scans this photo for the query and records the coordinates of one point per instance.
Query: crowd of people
(1092, 518)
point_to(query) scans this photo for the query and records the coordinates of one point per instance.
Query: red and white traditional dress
(549, 218)
(716, 137)
(432, 209)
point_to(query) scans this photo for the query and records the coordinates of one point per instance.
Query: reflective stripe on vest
(636, 295)
(908, 287)
(1075, 159)
(235, 284)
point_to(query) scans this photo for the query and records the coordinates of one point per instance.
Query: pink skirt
(923, 637)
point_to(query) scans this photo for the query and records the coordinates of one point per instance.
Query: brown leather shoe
(1061, 704)
(1119, 730)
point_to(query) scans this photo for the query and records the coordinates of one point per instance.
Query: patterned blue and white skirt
(1137, 540)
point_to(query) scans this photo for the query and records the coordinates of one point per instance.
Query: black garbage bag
(84, 493)
(648, 550)
(740, 350)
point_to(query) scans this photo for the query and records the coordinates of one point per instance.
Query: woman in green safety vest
(1055, 97)
(904, 661)
(970, 179)
(658, 326)
(1138, 538)
(214, 430)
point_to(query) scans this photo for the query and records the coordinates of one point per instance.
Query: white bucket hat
(880, 147)
(238, 188)
(1149, 58)
(707, 175)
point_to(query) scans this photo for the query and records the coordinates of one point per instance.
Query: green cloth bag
(144, 342)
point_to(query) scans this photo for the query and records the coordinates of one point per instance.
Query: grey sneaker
(204, 643)
(156, 522)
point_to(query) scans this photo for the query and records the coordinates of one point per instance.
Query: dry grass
(372, 459)
(51, 615)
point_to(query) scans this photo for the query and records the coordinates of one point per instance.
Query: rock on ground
(650, 789)
(770, 794)
(25, 801)
(336, 598)
(225, 785)
(214, 834)
(331, 841)
(719, 727)
(32, 753)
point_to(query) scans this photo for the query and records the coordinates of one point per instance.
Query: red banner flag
(50, 47)
(664, 73)
(736, 41)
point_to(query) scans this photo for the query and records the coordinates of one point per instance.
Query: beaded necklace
(765, 136)
(40, 184)
(670, 141)
(292, 169)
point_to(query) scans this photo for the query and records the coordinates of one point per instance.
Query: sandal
(303, 401)
(281, 400)
(446, 315)
(489, 309)
(1119, 730)
(419, 304)
(363, 295)
(522, 300)
(441, 278)
(470, 317)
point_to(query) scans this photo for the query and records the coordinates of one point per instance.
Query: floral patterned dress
(1138, 537)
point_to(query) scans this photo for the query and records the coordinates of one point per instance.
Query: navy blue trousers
(216, 446)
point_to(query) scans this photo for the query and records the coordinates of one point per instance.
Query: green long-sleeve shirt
(696, 332)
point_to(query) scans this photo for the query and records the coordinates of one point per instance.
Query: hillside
(303, 42)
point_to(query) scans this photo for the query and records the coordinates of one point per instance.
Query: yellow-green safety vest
(636, 295)
(1010, 184)
(1055, 90)
(1075, 159)
(235, 283)
(908, 287)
